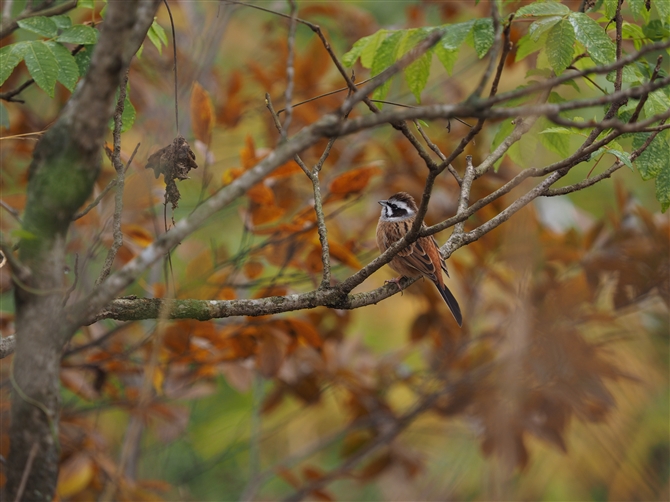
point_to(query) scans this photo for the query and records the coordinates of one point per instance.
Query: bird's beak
(382, 202)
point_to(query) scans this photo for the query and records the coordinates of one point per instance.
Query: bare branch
(13, 211)
(7, 346)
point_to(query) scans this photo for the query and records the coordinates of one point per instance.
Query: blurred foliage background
(558, 379)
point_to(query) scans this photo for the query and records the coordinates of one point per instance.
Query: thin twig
(437, 151)
(290, 70)
(174, 56)
(12, 25)
(13, 211)
(96, 201)
(464, 198)
(120, 182)
(26, 471)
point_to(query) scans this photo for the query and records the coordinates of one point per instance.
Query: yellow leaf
(202, 113)
(158, 378)
(75, 475)
(344, 255)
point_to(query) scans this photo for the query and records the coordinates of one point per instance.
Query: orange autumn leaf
(305, 332)
(230, 175)
(265, 214)
(253, 269)
(344, 255)
(353, 181)
(202, 113)
(138, 235)
(291, 167)
(75, 475)
(248, 153)
(262, 195)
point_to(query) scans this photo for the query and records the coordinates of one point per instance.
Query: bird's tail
(451, 303)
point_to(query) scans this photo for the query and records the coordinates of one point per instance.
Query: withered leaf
(174, 162)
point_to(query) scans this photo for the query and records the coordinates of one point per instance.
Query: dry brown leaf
(202, 113)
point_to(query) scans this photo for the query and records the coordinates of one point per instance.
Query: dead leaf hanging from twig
(174, 162)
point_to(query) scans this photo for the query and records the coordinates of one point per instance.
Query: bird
(422, 257)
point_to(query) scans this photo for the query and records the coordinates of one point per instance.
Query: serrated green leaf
(629, 75)
(483, 36)
(527, 46)
(83, 59)
(4, 116)
(638, 9)
(593, 36)
(349, 58)
(633, 32)
(657, 103)
(42, 66)
(624, 157)
(455, 35)
(63, 22)
(542, 9)
(560, 46)
(157, 36)
(416, 74)
(663, 8)
(663, 188)
(68, 71)
(10, 56)
(610, 8)
(597, 153)
(79, 34)
(655, 30)
(505, 129)
(542, 26)
(447, 57)
(556, 130)
(129, 113)
(385, 57)
(39, 24)
(369, 51)
(654, 158)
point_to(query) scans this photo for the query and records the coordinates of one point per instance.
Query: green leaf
(4, 116)
(560, 46)
(663, 188)
(455, 35)
(542, 26)
(654, 158)
(622, 156)
(42, 66)
(592, 36)
(638, 9)
(527, 46)
(63, 22)
(416, 74)
(79, 34)
(157, 36)
(556, 130)
(629, 75)
(129, 113)
(22, 234)
(10, 56)
(39, 24)
(68, 71)
(483, 35)
(385, 57)
(447, 48)
(83, 59)
(542, 9)
(369, 51)
(505, 129)
(86, 4)
(349, 58)
(610, 8)
(655, 30)
(663, 8)
(633, 32)
(554, 139)
(657, 103)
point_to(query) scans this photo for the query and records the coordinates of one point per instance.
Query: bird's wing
(426, 259)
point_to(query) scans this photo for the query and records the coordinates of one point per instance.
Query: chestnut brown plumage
(419, 258)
